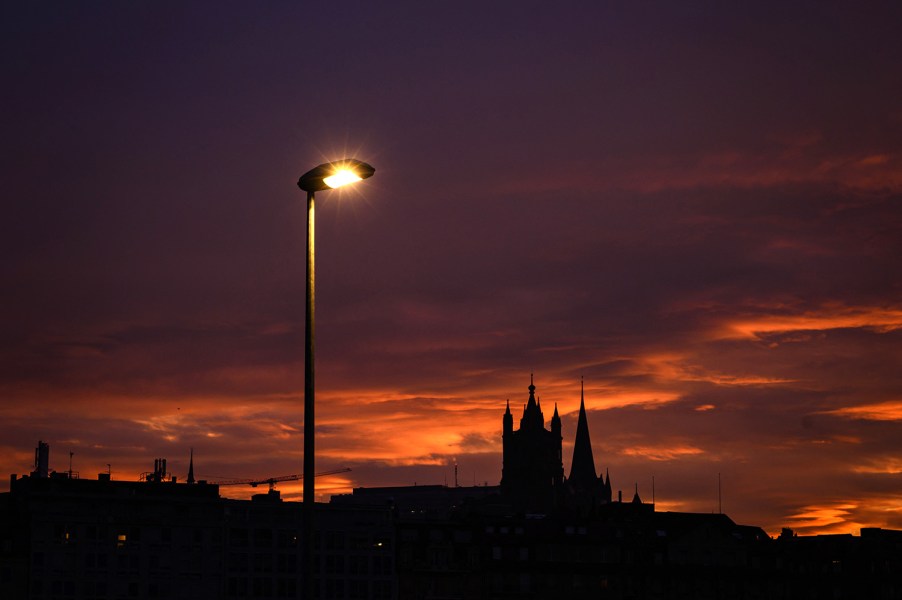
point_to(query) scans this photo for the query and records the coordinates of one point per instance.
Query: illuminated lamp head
(335, 174)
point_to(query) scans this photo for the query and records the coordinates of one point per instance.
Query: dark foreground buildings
(540, 534)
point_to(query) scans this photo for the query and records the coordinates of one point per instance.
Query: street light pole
(326, 176)
(309, 403)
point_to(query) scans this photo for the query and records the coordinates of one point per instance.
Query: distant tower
(532, 470)
(582, 469)
(191, 467)
(585, 488)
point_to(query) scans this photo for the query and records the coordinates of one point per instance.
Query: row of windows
(332, 588)
(69, 533)
(239, 537)
(237, 563)
(235, 587)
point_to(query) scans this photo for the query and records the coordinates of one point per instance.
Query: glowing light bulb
(341, 177)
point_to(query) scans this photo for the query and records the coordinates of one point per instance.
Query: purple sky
(697, 208)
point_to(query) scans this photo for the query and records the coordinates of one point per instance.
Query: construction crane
(273, 480)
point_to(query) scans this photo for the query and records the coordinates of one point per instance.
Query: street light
(326, 176)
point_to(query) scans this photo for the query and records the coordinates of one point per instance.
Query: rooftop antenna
(456, 484)
(71, 454)
(652, 489)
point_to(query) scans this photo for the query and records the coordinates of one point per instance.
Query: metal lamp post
(326, 176)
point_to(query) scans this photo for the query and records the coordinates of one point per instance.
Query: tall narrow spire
(582, 469)
(191, 467)
(508, 419)
(532, 394)
(532, 413)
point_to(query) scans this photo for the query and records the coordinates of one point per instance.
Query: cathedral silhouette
(532, 473)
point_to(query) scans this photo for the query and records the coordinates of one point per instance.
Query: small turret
(508, 419)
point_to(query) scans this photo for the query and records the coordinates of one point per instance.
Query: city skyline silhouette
(697, 210)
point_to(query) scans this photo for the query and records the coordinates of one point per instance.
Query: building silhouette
(532, 472)
(65, 537)
(537, 535)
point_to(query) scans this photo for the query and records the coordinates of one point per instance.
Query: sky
(694, 207)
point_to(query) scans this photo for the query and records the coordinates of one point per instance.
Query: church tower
(582, 469)
(532, 472)
(584, 487)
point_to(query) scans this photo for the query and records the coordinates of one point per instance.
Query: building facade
(66, 538)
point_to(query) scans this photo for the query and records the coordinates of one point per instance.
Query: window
(263, 538)
(358, 589)
(382, 590)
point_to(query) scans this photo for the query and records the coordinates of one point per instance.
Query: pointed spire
(532, 412)
(191, 467)
(636, 498)
(532, 393)
(556, 421)
(507, 420)
(582, 469)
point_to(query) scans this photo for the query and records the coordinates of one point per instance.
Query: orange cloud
(661, 453)
(878, 319)
(885, 465)
(882, 411)
(675, 367)
(831, 518)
